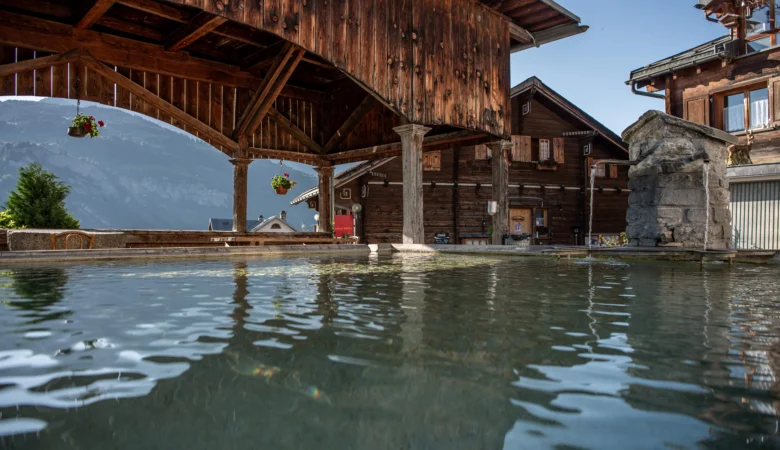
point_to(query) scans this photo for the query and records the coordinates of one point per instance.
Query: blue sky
(591, 69)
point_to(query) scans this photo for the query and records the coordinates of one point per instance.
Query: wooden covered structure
(315, 81)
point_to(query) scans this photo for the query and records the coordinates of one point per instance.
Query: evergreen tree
(39, 200)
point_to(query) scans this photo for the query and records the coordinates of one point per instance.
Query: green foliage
(39, 201)
(282, 181)
(6, 221)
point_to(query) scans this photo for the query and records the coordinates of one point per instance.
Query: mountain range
(139, 173)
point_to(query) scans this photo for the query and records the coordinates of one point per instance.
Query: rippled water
(393, 352)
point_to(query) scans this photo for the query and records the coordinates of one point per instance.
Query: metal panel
(755, 211)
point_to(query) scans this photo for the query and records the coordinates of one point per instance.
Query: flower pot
(76, 132)
(281, 190)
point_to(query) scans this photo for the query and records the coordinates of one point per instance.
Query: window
(734, 113)
(540, 222)
(601, 171)
(276, 226)
(761, 26)
(746, 109)
(544, 149)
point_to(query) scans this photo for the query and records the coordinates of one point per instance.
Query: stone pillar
(240, 172)
(411, 155)
(668, 202)
(325, 197)
(500, 157)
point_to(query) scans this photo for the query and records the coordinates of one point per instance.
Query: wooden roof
(295, 79)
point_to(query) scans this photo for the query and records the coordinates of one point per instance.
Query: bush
(38, 201)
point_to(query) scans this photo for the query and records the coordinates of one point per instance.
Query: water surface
(401, 352)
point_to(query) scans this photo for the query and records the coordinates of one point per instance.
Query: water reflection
(390, 352)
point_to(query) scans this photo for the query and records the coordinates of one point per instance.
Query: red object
(287, 175)
(91, 118)
(87, 126)
(344, 225)
(101, 123)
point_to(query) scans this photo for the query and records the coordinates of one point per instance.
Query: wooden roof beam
(269, 89)
(306, 158)
(352, 121)
(95, 13)
(394, 149)
(39, 63)
(262, 55)
(18, 30)
(201, 25)
(520, 34)
(152, 99)
(296, 132)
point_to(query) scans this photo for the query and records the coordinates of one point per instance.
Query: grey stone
(34, 239)
(668, 204)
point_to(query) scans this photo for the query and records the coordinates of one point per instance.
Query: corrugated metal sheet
(755, 211)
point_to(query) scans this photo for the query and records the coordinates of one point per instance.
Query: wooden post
(240, 163)
(411, 154)
(499, 150)
(325, 198)
(240, 171)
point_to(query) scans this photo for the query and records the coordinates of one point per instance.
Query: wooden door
(520, 221)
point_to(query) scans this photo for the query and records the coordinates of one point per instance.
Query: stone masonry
(667, 200)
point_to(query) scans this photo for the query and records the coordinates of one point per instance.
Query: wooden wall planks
(434, 61)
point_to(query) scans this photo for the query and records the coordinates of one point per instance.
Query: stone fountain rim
(672, 120)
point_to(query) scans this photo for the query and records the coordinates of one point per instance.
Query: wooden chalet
(315, 81)
(731, 83)
(553, 144)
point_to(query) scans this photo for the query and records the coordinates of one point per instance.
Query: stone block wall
(668, 204)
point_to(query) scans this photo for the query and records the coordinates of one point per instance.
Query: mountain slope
(139, 173)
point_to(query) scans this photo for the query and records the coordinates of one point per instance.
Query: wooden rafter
(152, 99)
(262, 55)
(269, 89)
(17, 30)
(39, 63)
(352, 121)
(201, 25)
(95, 13)
(394, 149)
(296, 132)
(307, 158)
(171, 13)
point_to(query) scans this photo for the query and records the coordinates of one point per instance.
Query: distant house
(554, 146)
(274, 224)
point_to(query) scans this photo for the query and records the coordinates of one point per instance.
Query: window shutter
(480, 152)
(525, 149)
(558, 147)
(613, 171)
(697, 110)
(515, 156)
(774, 99)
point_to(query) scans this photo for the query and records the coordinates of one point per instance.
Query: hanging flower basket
(282, 183)
(85, 126)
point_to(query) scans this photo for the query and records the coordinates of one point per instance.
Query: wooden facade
(316, 81)
(731, 83)
(458, 177)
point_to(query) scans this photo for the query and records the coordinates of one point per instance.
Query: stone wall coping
(672, 120)
(753, 171)
(51, 231)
